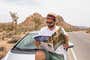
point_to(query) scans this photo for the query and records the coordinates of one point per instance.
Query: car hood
(15, 56)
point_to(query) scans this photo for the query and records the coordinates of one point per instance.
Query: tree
(14, 20)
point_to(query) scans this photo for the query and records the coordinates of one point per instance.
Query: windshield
(27, 42)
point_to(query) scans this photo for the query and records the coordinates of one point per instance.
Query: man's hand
(65, 46)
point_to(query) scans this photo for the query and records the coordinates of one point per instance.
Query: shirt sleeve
(41, 31)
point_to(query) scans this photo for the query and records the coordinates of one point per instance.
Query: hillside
(37, 21)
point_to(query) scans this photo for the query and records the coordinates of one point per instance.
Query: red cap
(51, 16)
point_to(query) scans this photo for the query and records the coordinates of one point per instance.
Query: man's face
(50, 23)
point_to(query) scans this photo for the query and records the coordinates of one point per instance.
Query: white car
(24, 49)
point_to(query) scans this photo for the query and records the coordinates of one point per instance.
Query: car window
(27, 42)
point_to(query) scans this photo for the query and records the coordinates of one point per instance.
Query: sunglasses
(49, 22)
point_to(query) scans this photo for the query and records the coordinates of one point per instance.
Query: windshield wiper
(34, 49)
(16, 48)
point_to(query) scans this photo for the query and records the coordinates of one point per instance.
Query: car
(25, 49)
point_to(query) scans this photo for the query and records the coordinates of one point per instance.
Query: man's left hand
(65, 46)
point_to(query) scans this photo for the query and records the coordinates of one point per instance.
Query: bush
(88, 31)
(13, 40)
(2, 52)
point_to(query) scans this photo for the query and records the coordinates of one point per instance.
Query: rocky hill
(37, 21)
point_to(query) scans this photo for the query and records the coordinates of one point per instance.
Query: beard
(50, 26)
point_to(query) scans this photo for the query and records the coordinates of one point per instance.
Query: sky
(75, 12)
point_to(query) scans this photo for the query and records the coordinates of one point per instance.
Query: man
(51, 28)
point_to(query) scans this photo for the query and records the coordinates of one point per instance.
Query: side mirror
(71, 45)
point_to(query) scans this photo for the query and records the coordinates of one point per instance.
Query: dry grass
(5, 47)
(7, 43)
